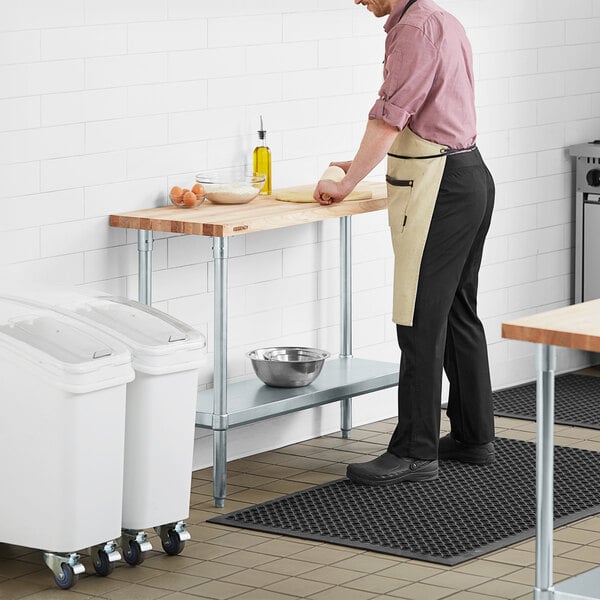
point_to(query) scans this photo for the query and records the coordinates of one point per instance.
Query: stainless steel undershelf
(250, 400)
(581, 587)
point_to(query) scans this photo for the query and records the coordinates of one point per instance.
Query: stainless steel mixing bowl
(287, 366)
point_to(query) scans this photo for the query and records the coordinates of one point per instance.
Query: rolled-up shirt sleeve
(409, 71)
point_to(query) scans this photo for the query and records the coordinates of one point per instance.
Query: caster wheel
(102, 565)
(133, 555)
(67, 578)
(174, 545)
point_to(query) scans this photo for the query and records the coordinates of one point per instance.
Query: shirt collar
(395, 15)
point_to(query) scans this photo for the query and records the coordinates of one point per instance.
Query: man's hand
(329, 192)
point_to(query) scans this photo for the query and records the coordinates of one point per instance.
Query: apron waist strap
(446, 152)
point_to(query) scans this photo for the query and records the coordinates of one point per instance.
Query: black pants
(446, 331)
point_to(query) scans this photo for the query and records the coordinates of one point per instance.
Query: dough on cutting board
(298, 195)
(305, 193)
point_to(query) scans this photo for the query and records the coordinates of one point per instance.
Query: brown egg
(176, 191)
(198, 189)
(189, 199)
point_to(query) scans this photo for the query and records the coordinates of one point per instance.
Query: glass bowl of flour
(230, 186)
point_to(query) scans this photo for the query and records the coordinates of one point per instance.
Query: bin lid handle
(177, 337)
(101, 353)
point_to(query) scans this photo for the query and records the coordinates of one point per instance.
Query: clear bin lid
(137, 324)
(45, 336)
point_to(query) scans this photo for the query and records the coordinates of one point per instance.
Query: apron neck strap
(408, 5)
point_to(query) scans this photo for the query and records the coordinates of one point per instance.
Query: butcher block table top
(260, 214)
(576, 326)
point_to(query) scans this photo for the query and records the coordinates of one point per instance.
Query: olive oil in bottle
(262, 159)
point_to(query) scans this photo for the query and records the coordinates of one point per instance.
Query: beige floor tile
(587, 554)
(341, 593)
(178, 596)
(323, 555)
(376, 584)
(526, 576)
(294, 586)
(288, 566)
(255, 578)
(175, 582)
(562, 548)
(364, 447)
(421, 591)
(466, 595)
(90, 583)
(302, 449)
(245, 558)
(591, 524)
(273, 471)
(285, 486)
(205, 551)
(219, 590)
(136, 592)
(125, 573)
(58, 594)
(237, 538)
(455, 580)
(211, 570)
(512, 556)
(332, 575)
(408, 571)
(15, 568)
(313, 477)
(15, 588)
(343, 456)
(486, 568)
(164, 562)
(280, 547)
(569, 566)
(254, 496)
(576, 536)
(367, 562)
(505, 589)
(264, 595)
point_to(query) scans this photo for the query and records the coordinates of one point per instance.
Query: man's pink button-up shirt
(428, 76)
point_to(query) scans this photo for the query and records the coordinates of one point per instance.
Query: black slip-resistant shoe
(387, 468)
(475, 454)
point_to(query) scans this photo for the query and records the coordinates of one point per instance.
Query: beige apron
(412, 185)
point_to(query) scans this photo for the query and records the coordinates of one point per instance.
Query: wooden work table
(577, 327)
(243, 402)
(260, 214)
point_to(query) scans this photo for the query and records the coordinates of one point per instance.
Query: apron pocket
(399, 193)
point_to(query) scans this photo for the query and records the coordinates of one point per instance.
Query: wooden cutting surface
(261, 214)
(576, 326)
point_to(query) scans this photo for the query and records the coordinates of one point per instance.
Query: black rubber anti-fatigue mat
(576, 401)
(469, 511)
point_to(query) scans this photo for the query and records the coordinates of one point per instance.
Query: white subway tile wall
(105, 104)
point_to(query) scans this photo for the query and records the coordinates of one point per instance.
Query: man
(441, 197)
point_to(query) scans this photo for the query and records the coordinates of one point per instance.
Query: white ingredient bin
(62, 397)
(161, 411)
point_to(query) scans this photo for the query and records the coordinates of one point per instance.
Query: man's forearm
(376, 142)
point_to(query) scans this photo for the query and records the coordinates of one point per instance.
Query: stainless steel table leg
(546, 365)
(145, 247)
(220, 416)
(346, 313)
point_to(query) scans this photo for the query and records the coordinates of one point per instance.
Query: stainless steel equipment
(287, 366)
(587, 220)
